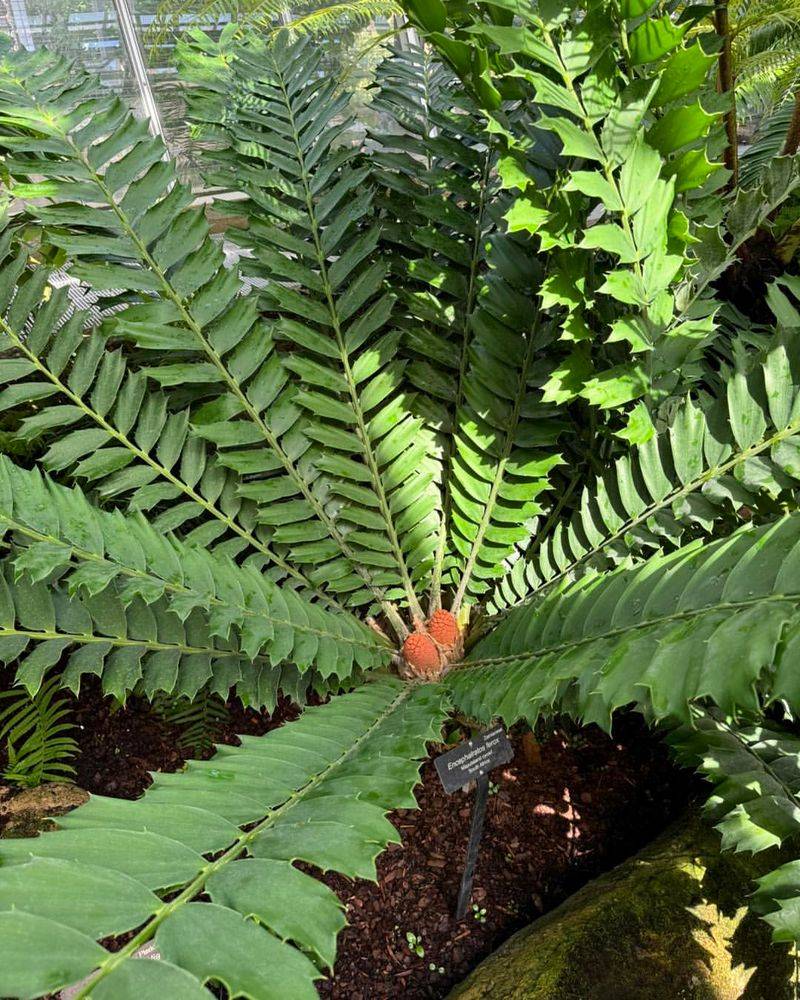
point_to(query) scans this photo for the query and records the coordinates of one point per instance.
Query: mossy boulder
(668, 924)
(28, 811)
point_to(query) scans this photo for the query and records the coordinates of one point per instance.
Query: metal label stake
(472, 761)
(475, 831)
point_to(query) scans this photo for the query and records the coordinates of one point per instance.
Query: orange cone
(444, 629)
(421, 654)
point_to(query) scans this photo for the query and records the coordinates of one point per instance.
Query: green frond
(781, 14)
(361, 456)
(105, 425)
(122, 643)
(755, 804)
(34, 732)
(175, 16)
(716, 456)
(506, 433)
(210, 615)
(181, 307)
(462, 307)
(774, 71)
(652, 636)
(198, 719)
(267, 17)
(308, 791)
(188, 315)
(468, 314)
(767, 143)
(332, 17)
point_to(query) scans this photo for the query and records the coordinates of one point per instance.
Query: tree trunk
(726, 83)
(793, 135)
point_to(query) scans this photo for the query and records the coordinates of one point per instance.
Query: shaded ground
(118, 748)
(556, 817)
(550, 827)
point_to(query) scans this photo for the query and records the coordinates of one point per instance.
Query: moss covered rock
(28, 811)
(668, 924)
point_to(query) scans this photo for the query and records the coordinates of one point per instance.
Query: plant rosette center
(433, 646)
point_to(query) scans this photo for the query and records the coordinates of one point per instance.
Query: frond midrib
(528, 654)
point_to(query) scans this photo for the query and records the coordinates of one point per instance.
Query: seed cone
(444, 629)
(421, 654)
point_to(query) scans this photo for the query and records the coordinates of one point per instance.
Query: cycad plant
(464, 427)
(765, 43)
(759, 69)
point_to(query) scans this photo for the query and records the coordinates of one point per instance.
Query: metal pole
(22, 24)
(133, 48)
(476, 829)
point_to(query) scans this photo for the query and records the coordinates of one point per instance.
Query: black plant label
(473, 758)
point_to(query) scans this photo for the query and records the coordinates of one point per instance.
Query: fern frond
(331, 17)
(198, 719)
(230, 827)
(172, 18)
(765, 49)
(34, 731)
(767, 143)
(268, 17)
(784, 14)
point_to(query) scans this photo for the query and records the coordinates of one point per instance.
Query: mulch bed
(119, 748)
(551, 825)
(561, 813)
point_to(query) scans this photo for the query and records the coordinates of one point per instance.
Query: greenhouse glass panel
(87, 30)
(132, 46)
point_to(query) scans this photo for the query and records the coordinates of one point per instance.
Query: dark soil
(118, 748)
(559, 814)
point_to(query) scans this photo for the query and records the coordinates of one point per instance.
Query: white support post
(21, 24)
(135, 53)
